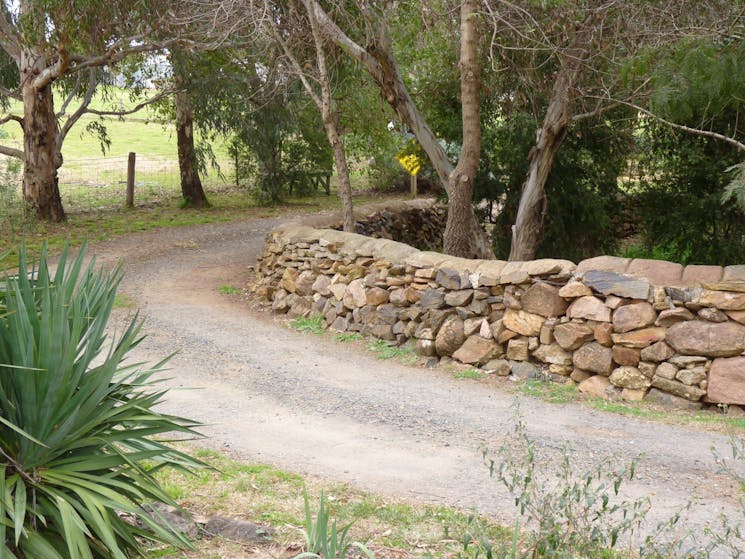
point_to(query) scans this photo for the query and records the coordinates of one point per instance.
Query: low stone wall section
(618, 327)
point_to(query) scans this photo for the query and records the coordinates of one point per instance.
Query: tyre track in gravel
(332, 410)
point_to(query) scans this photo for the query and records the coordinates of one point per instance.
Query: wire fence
(98, 184)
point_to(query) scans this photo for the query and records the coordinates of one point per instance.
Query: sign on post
(412, 164)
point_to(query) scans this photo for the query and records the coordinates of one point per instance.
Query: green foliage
(679, 199)
(472, 374)
(568, 513)
(313, 324)
(387, 350)
(323, 538)
(580, 192)
(77, 426)
(229, 290)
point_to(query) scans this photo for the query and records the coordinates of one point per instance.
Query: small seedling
(310, 325)
(386, 350)
(348, 337)
(472, 373)
(229, 290)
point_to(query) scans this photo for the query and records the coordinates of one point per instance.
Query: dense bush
(76, 423)
(679, 200)
(581, 190)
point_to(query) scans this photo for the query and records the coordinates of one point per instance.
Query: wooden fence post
(131, 180)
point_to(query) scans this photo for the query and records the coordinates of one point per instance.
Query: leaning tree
(45, 42)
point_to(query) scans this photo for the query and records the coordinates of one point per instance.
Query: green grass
(229, 290)
(386, 350)
(313, 324)
(471, 373)
(550, 391)
(265, 494)
(349, 337)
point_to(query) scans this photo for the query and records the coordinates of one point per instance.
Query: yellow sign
(411, 163)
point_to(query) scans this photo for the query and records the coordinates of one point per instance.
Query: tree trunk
(330, 116)
(342, 171)
(459, 237)
(41, 156)
(378, 60)
(531, 212)
(191, 185)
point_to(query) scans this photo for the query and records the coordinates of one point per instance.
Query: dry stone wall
(619, 328)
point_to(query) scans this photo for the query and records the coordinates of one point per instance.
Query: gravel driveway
(332, 410)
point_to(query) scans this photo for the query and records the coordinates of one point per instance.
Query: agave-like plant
(79, 438)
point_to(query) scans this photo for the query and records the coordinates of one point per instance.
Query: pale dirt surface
(332, 410)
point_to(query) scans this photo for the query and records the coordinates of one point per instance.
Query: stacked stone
(620, 328)
(420, 228)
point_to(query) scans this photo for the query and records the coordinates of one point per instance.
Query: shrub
(76, 423)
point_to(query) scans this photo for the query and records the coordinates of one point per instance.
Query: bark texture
(531, 212)
(378, 61)
(42, 157)
(191, 185)
(459, 239)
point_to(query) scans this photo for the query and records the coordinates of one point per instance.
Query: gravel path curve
(332, 410)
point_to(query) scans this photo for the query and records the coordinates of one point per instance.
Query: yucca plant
(77, 424)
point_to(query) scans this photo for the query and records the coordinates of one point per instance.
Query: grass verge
(264, 494)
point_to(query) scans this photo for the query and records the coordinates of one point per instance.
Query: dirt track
(332, 410)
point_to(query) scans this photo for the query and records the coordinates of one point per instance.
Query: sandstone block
(657, 272)
(432, 299)
(595, 386)
(449, 279)
(289, 279)
(696, 337)
(629, 377)
(603, 334)
(459, 298)
(477, 351)
(377, 296)
(590, 308)
(670, 401)
(633, 317)
(724, 300)
(612, 283)
(543, 299)
(553, 354)
(669, 317)
(640, 338)
(517, 349)
(657, 352)
(524, 323)
(666, 370)
(631, 395)
(595, 358)
(676, 388)
(571, 335)
(727, 381)
(355, 295)
(450, 336)
(691, 377)
(321, 285)
(578, 375)
(626, 356)
(603, 263)
(574, 289)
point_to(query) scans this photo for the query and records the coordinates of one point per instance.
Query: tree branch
(12, 152)
(696, 131)
(136, 108)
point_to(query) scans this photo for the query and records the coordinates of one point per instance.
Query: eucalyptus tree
(590, 49)
(293, 26)
(192, 190)
(372, 49)
(47, 41)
